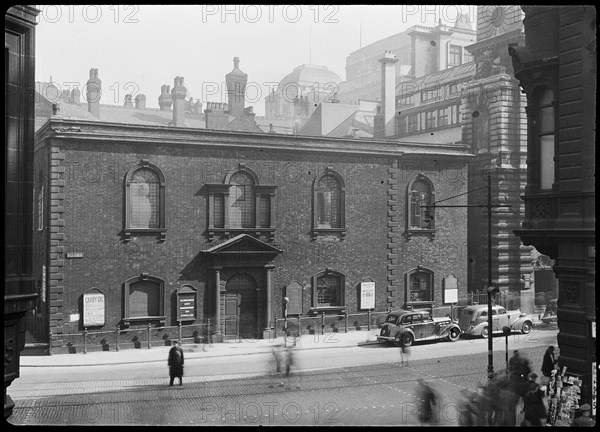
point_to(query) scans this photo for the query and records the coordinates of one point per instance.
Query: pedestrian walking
(277, 356)
(404, 352)
(175, 363)
(427, 402)
(548, 362)
(289, 360)
(518, 369)
(534, 407)
(466, 405)
(584, 420)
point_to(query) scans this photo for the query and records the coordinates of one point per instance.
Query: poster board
(450, 283)
(93, 310)
(367, 295)
(293, 291)
(186, 304)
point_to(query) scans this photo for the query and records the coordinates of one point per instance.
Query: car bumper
(385, 339)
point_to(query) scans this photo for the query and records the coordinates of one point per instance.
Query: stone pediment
(241, 244)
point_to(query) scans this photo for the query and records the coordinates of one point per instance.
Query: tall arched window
(144, 196)
(420, 194)
(545, 138)
(242, 201)
(328, 290)
(328, 202)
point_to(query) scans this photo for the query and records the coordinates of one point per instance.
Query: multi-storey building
(556, 67)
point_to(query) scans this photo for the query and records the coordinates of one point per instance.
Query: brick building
(142, 215)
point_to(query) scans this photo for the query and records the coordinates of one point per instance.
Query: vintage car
(549, 316)
(473, 320)
(403, 327)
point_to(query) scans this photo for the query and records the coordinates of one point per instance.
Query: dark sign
(186, 304)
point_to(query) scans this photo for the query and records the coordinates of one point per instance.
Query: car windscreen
(391, 319)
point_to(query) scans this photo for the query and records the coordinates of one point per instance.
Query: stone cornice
(92, 132)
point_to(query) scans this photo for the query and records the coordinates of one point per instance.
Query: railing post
(148, 335)
(117, 337)
(346, 314)
(369, 319)
(50, 343)
(85, 340)
(299, 328)
(208, 335)
(275, 327)
(323, 323)
(179, 331)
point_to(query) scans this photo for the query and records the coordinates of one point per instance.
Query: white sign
(450, 289)
(73, 317)
(93, 309)
(367, 295)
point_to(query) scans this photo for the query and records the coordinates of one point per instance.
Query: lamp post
(491, 290)
(286, 300)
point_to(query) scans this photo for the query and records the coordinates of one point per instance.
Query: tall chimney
(236, 89)
(388, 92)
(178, 96)
(140, 101)
(76, 96)
(164, 100)
(94, 92)
(128, 101)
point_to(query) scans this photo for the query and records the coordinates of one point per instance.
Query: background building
(556, 67)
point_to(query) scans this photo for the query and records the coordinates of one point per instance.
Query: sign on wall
(93, 309)
(293, 291)
(450, 289)
(367, 295)
(186, 304)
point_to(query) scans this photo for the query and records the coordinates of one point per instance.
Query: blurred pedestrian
(532, 381)
(404, 352)
(534, 407)
(175, 363)
(427, 402)
(466, 405)
(584, 420)
(289, 360)
(548, 362)
(277, 354)
(506, 403)
(518, 369)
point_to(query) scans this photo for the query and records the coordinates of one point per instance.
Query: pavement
(222, 349)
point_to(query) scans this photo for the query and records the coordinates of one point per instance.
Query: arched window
(329, 203)
(328, 290)
(144, 196)
(419, 285)
(545, 138)
(143, 299)
(240, 204)
(420, 195)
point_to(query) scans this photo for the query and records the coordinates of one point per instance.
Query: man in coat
(175, 363)
(548, 362)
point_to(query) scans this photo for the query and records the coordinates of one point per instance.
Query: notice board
(93, 309)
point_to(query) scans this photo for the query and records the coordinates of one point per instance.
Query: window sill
(143, 320)
(317, 309)
(226, 233)
(420, 232)
(130, 232)
(340, 233)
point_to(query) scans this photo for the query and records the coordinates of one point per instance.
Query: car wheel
(526, 329)
(407, 339)
(484, 332)
(453, 335)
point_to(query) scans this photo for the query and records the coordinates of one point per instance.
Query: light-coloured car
(473, 320)
(403, 327)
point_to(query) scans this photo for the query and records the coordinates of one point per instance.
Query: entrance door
(240, 306)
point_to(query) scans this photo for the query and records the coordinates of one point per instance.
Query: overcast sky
(138, 48)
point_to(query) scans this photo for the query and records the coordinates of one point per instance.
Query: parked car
(549, 316)
(408, 326)
(473, 320)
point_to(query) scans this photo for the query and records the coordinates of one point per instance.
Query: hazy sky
(138, 48)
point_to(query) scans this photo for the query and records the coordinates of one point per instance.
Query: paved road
(339, 386)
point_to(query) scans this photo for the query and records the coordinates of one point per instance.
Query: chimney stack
(94, 92)
(164, 100)
(76, 96)
(128, 101)
(140, 101)
(388, 92)
(236, 89)
(178, 96)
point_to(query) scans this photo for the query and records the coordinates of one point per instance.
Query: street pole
(490, 330)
